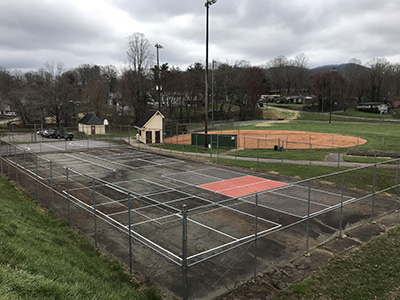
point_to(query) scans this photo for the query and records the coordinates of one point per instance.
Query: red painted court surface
(242, 186)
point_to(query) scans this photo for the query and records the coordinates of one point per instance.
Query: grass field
(372, 272)
(382, 137)
(42, 258)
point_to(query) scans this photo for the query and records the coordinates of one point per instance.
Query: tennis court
(190, 219)
(149, 190)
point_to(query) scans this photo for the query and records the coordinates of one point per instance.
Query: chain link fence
(201, 251)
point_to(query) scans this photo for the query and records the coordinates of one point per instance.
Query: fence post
(68, 196)
(309, 171)
(37, 178)
(16, 164)
(217, 146)
(52, 187)
(341, 209)
(26, 171)
(109, 137)
(210, 146)
(197, 144)
(308, 216)
(130, 236)
(282, 149)
(373, 194)
(171, 141)
(1, 158)
(8, 160)
(177, 133)
(255, 236)
(34, 132)
(397, 183)
(183, 142)
(236, 146)
(184, 253)
(265, 141)
(94, 213)
(258, 152)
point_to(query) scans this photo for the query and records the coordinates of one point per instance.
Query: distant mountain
(340, 68)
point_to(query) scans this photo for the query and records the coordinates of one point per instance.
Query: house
(151, 128)
(91, 124)
(373, 107)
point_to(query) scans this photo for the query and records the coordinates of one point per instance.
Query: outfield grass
(291, 154)
(42, 258)
(372, 272)
(379, 136)
(382, 137)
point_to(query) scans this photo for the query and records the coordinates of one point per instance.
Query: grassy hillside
(372, 272)
(42, 258)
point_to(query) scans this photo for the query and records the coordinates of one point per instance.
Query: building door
(149, 138)
(158, 137)
(93, 129)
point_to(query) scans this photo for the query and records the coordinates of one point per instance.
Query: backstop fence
(202, 250)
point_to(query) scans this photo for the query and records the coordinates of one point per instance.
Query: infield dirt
(251, 139)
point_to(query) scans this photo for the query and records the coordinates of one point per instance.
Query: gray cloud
(75, 32)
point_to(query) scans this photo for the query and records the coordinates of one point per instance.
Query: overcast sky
(75, 32)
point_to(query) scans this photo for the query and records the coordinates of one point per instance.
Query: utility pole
(158, 46)
(207, 5)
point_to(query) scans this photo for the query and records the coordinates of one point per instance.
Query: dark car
(63, 135)
(48, 133)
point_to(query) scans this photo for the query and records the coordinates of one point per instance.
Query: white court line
(113, 162)
(188, 183)
(124, 226)
(51, 146)
(133, 159)
(22, 167)
(300, 199)
(216, 203)
(213, 229)
(318, 190)
(91, 163)
(160, 204)
(233, 242)
(218, 169)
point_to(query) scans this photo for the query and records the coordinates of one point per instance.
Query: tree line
(124, 95)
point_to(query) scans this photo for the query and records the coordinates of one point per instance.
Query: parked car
(58, 134)
(48, 133)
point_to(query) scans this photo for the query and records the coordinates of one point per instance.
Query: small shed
(92, 124)
(151, 128)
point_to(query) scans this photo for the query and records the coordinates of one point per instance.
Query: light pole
(158, 46)
(212, 90)
(207, 5)
(333, 72)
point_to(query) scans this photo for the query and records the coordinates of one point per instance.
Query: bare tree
(378, 88)
(139, 55)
